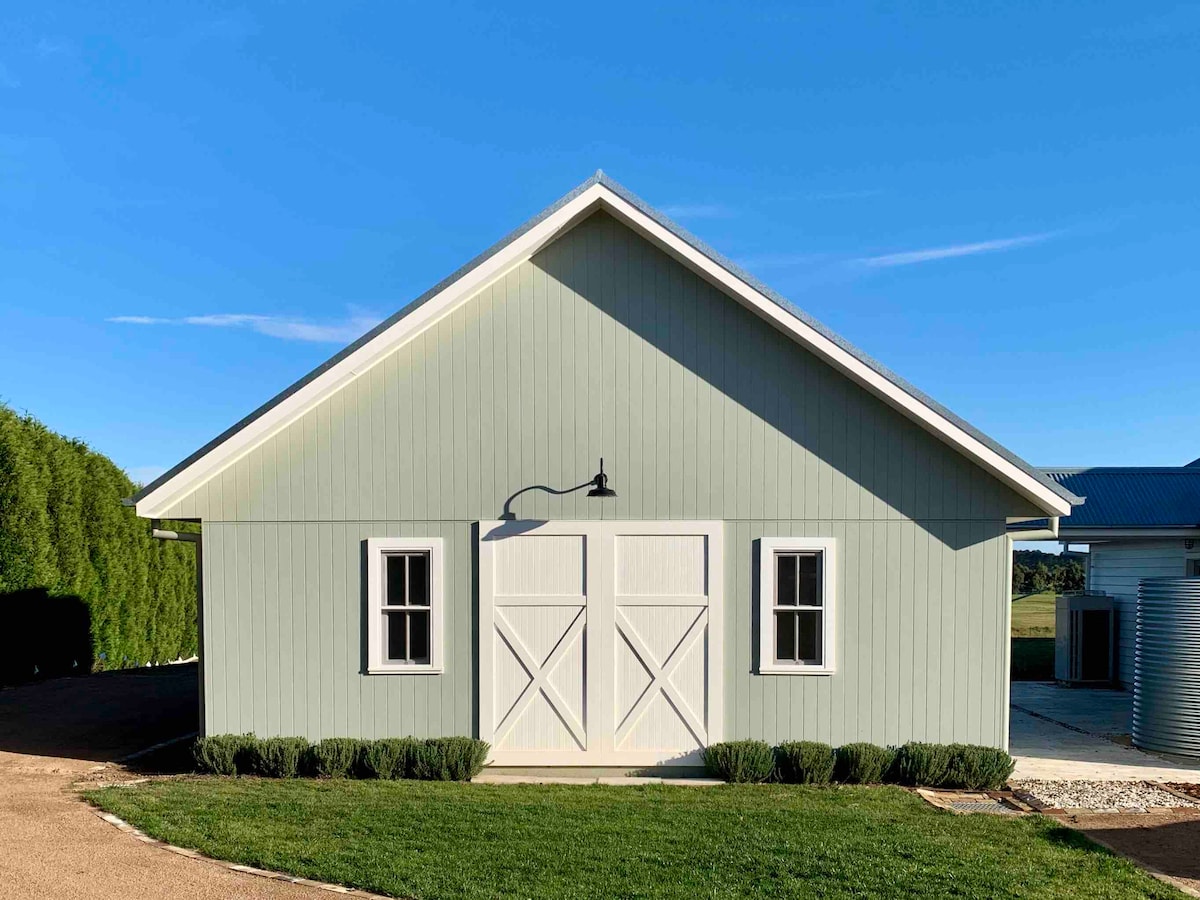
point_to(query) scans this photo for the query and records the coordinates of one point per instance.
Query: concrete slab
(1094, 710)
(493, 778)
(1062, 734)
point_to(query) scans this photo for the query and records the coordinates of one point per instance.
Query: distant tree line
(83, 585)
(1035, 572)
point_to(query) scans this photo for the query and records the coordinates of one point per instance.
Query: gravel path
(51, 843)
(1102, 795)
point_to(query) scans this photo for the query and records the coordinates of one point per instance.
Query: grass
(1033, 659)
(1033, 615)
(1033, 637)
(426, 840)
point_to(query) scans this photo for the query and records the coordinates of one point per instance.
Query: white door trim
(602, 619)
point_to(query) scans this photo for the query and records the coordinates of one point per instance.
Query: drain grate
(995, 807)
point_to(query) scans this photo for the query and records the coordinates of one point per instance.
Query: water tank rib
(1166, 677)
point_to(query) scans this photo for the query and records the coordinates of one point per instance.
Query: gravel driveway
(51, 844)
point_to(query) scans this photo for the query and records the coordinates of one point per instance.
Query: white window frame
(767, 548)
(377, 551)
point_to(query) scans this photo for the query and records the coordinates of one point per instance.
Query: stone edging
(124, 826)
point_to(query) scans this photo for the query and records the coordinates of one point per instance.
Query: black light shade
(600, 484)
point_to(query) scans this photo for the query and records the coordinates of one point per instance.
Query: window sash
(409, 653)
(800, 641)
(408, 574)
(405, 593)
(796, 604)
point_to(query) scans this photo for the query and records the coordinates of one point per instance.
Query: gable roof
(1133, 497)
(598, 192)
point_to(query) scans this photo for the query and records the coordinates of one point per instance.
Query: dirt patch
(1166, 841)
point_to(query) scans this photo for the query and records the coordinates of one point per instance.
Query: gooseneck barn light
(598, 484)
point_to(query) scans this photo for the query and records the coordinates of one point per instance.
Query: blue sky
(997, 201)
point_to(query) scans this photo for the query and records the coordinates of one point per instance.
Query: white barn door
(600, 642)
(536, 624)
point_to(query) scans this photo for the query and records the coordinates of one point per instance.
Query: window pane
(809, 641)
(785, 636)
(810, 579)
(396, 595)
(396, 649)
(418, 636)
(418, 579)
(785, 579)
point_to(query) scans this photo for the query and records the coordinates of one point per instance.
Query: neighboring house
(1138, 523)
(800, 544)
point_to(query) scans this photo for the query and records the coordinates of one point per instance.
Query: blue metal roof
(1133, 497)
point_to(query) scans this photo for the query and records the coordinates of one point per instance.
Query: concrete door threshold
(691, 776)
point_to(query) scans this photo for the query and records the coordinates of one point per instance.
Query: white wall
(1114, 568)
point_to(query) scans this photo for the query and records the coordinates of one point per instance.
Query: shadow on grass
(1033, 659)
(1170, 847)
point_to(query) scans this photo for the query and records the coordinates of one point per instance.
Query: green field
(437, 839)
(1033, 615)
(1033, 637)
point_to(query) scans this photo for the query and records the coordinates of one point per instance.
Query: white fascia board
(156, 503)
(841, 359)
(1084, 534)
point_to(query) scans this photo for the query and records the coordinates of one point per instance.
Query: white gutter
(1050, 533)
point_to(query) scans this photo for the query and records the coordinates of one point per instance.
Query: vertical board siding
(601, 345)
(1114, 568)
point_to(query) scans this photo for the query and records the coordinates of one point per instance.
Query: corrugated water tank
(1166, 666)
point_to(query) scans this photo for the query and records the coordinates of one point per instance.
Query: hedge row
(432, 759)
(965, 766)
(83, 586)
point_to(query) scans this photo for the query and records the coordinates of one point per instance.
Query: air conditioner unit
(1084, 639)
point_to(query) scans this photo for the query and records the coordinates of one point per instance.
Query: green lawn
(1033, 615)
(428, 839)
(1033, 637)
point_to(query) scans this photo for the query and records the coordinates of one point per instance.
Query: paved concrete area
(51, 843)
(1093, 710)
(1064, 734)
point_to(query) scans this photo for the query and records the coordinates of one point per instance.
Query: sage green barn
(599, 329)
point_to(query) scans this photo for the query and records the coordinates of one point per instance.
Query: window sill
(795, 670)
(404, 670)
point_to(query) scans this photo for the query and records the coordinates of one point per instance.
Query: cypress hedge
(83, 586)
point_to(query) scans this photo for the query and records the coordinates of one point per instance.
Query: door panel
(600, 641)
(533, 640)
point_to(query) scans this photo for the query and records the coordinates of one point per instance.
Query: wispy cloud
(696, 211)
(7, 79)
(47, 47)
(909, 257)
(283, 327)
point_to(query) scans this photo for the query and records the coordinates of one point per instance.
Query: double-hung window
(405, 603)
(796, 605)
